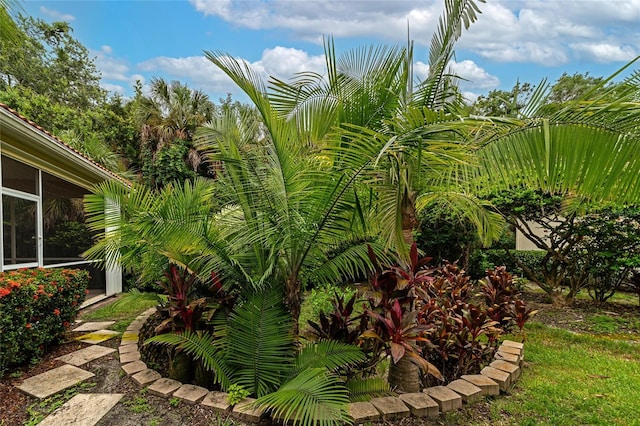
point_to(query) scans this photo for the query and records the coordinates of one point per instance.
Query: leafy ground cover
(582, 367)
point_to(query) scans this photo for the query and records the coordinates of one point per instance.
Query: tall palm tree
(171, 111)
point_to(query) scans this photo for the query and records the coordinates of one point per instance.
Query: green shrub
(481, 260)
(236, 393)
(37, 306)
(322, 299)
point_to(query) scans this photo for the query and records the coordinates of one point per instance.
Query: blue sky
(513, 39)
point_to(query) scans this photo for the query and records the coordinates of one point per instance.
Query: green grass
(123, 310)
(621, 297)
(606, 324)
(573, 379)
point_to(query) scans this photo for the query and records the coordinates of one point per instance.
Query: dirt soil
(138, 408)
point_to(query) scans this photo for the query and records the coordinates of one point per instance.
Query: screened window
(66, 236)
(19, 230)
(17, 175)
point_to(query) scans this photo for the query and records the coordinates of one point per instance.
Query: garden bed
(138, 407)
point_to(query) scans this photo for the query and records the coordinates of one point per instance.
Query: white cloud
(114, 88)
(54, 14)
(113, 70)
(310, 20)
(280, 62)
(283, 62)
(472, 76)
(604, 52)
(201, 72)
(547, 32)
(550, 32)
(470, 97)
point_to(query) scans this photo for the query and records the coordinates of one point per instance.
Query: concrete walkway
(83, 409)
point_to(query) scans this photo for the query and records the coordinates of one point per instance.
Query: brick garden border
(497, 377)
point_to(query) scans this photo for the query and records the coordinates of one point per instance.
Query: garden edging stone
(491, 381)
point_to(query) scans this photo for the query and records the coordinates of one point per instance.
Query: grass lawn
(123, 310)
(571, 379)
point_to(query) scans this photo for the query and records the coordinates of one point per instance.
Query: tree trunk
(180, 367)
(292, 300)
(202, 376)
(560, 300)
(404, 376)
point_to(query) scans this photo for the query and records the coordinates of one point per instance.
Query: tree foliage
(50, 61)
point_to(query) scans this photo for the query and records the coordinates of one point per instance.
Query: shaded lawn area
(123, 310)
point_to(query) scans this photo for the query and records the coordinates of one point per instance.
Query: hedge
(481, 260)
(36, 307)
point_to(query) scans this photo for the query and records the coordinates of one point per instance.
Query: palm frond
(569, 159)
(349, 262)
(433, 92)
(312, 398)
(202, 346)
(327, 354)
(260, 346)
(361, 390)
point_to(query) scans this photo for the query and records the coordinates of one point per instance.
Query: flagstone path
(84, 409)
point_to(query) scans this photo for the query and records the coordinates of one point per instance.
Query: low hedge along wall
(481, 260)
(36, 307)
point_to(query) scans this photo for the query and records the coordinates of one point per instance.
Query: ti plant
(182, 312)
(500, 294)
(401, 331)
(521, 315)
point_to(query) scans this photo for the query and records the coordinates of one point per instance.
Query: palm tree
(369, 108)
(170, 112)
(287, 218)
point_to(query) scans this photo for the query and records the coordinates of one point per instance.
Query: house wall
(523, 243)
(62, 176)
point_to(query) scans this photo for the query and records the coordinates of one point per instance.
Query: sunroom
(43, 184)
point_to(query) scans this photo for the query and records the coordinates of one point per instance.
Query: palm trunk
(409, 220)
(180, 367)
(293, 302)
(404, 376)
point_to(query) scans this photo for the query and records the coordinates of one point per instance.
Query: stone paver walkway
(98, 336)
(84, 409)
(53, 381)
(85, 355)
(94, 326)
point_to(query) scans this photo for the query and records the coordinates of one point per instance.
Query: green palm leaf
(327, 354)
(313, 397)
(364, 389)
(567, 159)
(260, 345)
(202, 346)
